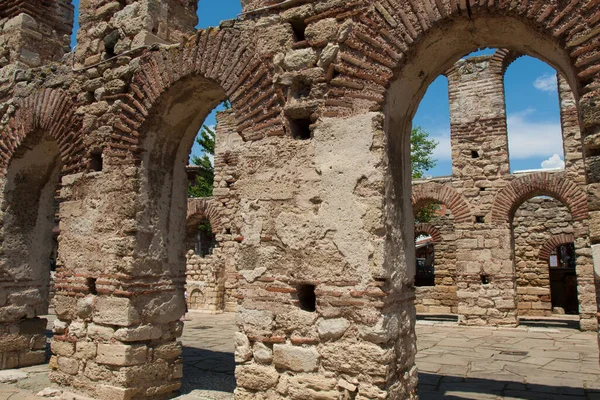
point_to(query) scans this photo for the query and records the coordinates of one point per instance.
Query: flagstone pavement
(454, 363)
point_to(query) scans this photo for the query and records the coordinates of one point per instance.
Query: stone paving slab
(454, 363)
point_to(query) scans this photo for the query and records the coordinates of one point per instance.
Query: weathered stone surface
(121, 354)
(294, 358)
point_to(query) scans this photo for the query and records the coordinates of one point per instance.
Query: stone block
(62, 348)
(294, 358)
(115, 311)
(138, 334)
(68, 365)
(121, 354)
(256, 377)
(332, 329)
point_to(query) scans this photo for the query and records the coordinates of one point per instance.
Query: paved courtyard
(454, 362)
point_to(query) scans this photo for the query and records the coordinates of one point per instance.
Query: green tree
(205, 179)
(421, 152)
(421, 160)
(206, 174)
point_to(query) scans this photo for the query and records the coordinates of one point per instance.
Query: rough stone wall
(441, 298)
(33, 33)
(483, 191)
(535, 222)
(109, 28)
(349, 89)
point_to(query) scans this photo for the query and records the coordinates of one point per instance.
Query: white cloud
(546, 83)
(527, 138)
(443, 151)
(553, 162)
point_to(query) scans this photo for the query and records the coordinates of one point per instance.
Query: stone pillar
(484, 260)
(575, 171)
(27, 219)
(33, 33)
(118, 301)
(110, 28)
(571, 133)
(322, 316)
(477, 120)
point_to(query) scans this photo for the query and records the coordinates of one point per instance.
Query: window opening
(307, 297)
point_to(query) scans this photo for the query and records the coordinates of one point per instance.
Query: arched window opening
(563, 279)
(435, 259)
(533, 116)
(29, 244)
(425, 255)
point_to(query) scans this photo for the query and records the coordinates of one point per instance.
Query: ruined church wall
(535, 222)
(303, 209)
(441, 298)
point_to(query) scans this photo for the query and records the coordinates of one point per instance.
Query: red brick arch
(554, 242)
(385, 36)
(200, 208)
(429, 230)
(538, 184)
(444, 194)
(52, 112)
(223, 56)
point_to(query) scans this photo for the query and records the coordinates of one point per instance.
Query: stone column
(575, 171)
(322, 314)
(33, 33)
(484, 256)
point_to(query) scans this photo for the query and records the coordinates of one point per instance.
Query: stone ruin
(482, 188)
(314, 199)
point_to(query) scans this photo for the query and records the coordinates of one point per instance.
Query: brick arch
(503, 58)
(205, 208)
(537, 184)
(385, 36)
(223, 56)
(554, 242)
(52, 112)
(444, 194)
(430, 230)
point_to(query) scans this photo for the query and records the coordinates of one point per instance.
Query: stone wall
(441, 298)
(33, 33)
(535, 222)
(485, 197)
(322, 93)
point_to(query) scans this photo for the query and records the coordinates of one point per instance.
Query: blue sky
(531, 101)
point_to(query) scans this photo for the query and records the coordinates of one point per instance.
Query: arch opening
(30, 243)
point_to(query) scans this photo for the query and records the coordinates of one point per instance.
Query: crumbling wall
(33, 33)
(323, 93)
(441, 298)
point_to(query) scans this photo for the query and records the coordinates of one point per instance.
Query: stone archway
(541, 183)
(41, 141)
(444, 194)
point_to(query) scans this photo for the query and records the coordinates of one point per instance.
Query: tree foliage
(206, 175)
(421, 160)
(205, 179)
